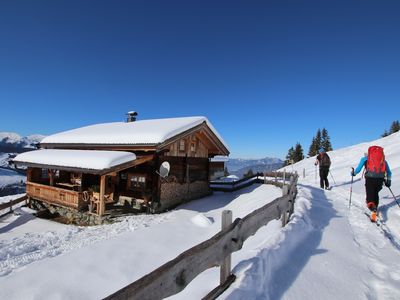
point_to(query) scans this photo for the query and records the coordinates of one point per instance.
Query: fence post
(276, 177)
(265, 177)
(285, 191)
(284, 176)
(304, 173)
(225, 271)
(10, 206)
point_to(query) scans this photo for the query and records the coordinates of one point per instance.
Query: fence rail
(11, 203)
(175, 275)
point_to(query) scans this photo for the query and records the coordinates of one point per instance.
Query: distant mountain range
(240, 166)
(11, 142)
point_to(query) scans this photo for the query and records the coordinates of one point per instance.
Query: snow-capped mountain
(12, 180)
(240, 166)
(11, 142)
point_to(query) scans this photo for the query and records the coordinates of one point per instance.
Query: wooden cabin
(98, 168)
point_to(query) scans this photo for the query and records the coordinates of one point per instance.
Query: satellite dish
(164, 169)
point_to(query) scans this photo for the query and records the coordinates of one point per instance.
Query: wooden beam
(102, 192)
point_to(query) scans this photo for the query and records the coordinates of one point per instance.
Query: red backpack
(376, 166)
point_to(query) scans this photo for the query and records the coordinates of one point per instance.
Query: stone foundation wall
(66, 215)
(174, 193)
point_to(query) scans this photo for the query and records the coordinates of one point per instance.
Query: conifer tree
(313, 148)
(395, 127)
(325, 141)
(226, 172)
(385, 133)
(289, 157)
(318, 140)
(298, 153)
(249, 173)
(315, 144)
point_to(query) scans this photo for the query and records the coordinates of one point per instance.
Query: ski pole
(315, 173)
(332, 177)
(351, 185)
(394, 197)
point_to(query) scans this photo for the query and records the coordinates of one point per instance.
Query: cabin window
(193, 146)
(182, 145)
(138, 182)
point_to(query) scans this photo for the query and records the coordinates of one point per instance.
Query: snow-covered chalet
(101, 168)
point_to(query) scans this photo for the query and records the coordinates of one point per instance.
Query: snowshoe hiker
(377, 172)
(324, 162)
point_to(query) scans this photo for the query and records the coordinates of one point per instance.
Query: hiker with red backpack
(377, 172)
(324, 162)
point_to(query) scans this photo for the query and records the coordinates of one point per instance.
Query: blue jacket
(362, 163)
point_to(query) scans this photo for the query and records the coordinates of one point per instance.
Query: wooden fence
(247, 181)
(175, 275)
(11, 203)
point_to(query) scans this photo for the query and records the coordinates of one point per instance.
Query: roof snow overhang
(84, 161)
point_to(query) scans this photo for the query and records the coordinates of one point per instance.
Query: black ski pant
(372, 188)
(323, 177)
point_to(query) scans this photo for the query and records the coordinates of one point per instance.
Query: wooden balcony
(56, 196)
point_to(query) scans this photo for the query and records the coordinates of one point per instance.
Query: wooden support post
(102, 192)
(51, 177)
(10, 206)
(304, 173)
(276, 177)
(225, 271)
(29, 175)
(265, 178)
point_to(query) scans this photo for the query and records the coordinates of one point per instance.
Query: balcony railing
(55, 195)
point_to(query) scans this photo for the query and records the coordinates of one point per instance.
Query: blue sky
(267, 74)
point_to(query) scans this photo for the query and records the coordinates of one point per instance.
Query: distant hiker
(324, 162)
(377, 172)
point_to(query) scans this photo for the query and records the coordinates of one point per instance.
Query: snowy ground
(327, 251)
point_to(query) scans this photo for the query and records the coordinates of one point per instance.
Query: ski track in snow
(32, 247)
(373, 242)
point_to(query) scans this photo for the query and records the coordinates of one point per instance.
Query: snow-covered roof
(141, 132)
(82, 159)
(220, 158)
